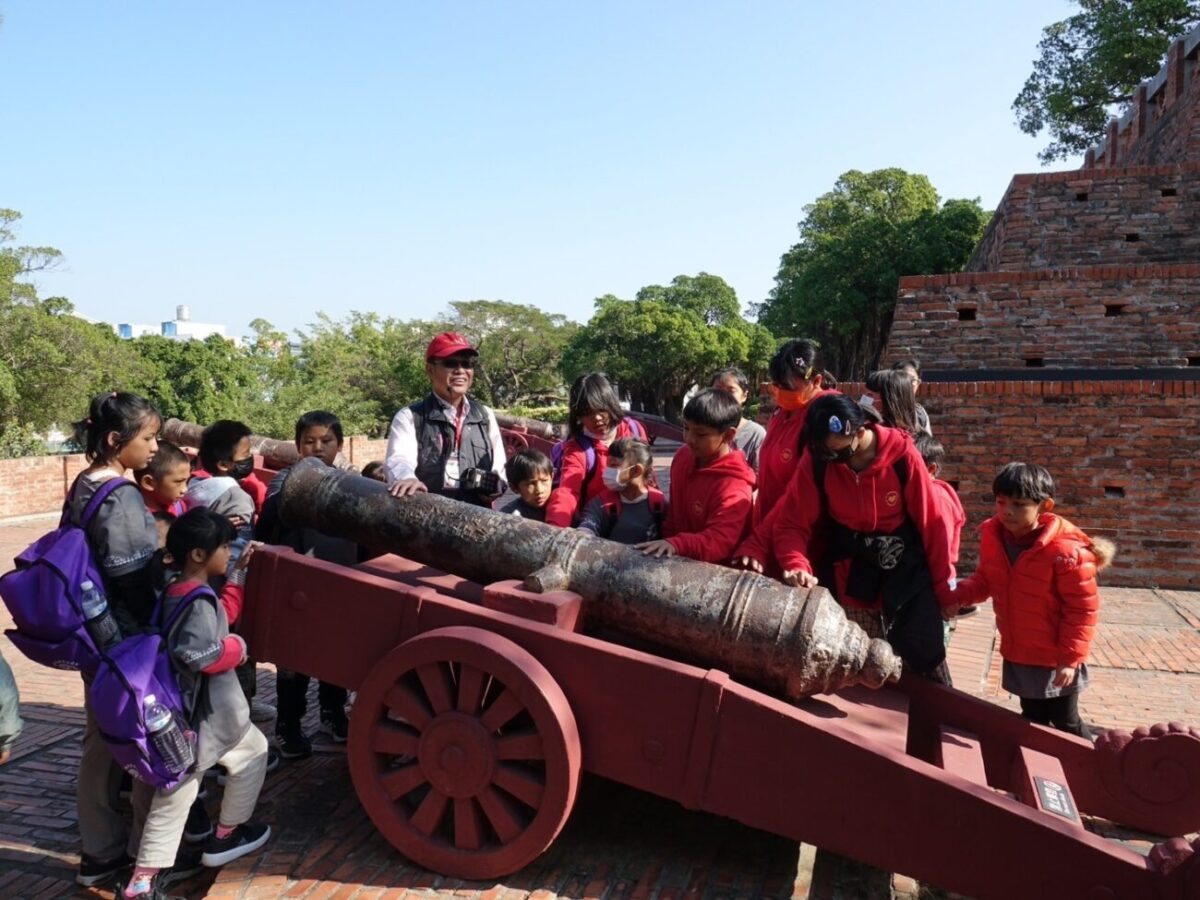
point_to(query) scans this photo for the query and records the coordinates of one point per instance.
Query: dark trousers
(247, 676)
(1060, 712)
(291, 691)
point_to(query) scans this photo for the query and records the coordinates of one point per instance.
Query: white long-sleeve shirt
(400, 462)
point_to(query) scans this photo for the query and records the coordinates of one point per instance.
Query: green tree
(657, 346)
(838, 283)
(520, 350)
(1089, 64)
(18, 262)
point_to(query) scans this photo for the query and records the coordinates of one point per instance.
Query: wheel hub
(457, 755)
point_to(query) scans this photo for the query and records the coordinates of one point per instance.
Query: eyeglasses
(456, 362)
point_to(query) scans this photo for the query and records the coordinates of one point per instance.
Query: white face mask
(866, 400)
(612, 478)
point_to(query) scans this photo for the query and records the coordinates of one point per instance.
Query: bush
(20, 440)
(555, 415)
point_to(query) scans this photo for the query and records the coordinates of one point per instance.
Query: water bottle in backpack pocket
(139, 709)
(97, 618)
(44, 593)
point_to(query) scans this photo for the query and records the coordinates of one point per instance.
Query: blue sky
(280, 159)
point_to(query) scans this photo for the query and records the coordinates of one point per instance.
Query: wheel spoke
(468, 829)
(436, 681)
(470, 689)
(402, 701)
(501, 712)
(521, 784)
(430, 812)
(500, 814)
(520, 746)
(393, 740)
(401, 781)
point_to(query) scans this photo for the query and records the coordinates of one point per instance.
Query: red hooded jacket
(1047, 602)
(871, 501)
(565, 502)
(777, 460)
(953, 517)
(710, 507)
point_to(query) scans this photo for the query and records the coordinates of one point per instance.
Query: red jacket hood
(892, 443)
(732, 464)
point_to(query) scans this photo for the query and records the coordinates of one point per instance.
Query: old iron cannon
(791, 642)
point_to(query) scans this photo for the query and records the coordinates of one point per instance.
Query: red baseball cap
(447, 344)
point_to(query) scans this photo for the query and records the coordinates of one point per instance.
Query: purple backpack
(137, 667)
(42, 592)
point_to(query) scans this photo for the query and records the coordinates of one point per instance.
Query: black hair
(167, 457)
(219, 441)
(372, 470)
(736, 374)
(897, 398)
(819, 423)
(527, 464)
(124, 413)
(161, 515)
(911, 363)
(634, 452)
(199, 529)
(796, 362)
(592, 393)
(319, 418)
(713, 408)
(1023, 481)
(931, 449)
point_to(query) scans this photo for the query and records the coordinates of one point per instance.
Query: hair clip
(836, 426)
(808, 373)
(87, 423)
(113, 395)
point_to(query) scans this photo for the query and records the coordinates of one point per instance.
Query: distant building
(180, 328)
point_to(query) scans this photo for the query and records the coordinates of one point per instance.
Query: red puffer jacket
(1047, 602)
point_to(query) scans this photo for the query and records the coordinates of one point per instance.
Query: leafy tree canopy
(1090, 63)
(838, 284)
(668, 339)
(520, 350)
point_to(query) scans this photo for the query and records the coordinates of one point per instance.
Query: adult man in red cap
(447, 443)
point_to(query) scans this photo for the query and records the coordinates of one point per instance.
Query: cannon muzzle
(785, 640)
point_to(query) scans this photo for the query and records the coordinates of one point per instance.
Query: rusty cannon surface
(275, 454)
(791, 642)
(480, 702)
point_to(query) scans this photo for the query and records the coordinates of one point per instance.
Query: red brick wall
(36, 484)
(1162, 123)
(1099, 440)
(1089, 216)
(1056, 315)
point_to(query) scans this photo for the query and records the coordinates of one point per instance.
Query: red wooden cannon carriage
(480, 704)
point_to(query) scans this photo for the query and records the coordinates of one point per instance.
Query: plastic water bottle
(168, 738)
(97, 619)
(232, 573)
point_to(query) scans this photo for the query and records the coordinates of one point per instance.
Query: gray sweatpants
(159, 817)
(103, 831)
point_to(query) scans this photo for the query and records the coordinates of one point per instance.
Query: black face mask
(241, 468)
(842, 456)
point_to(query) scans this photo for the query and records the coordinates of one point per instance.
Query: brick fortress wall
(1073, 340)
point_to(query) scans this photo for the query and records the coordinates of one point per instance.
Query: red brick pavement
(619, 843)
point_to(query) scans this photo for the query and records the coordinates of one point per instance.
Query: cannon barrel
(787, 641)
(276, 454)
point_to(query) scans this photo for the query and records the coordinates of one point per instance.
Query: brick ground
(619, 843)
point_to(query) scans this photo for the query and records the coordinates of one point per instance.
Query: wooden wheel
(464, 752)
(514, 442)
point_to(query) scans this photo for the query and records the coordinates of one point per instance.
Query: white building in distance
(181, 328)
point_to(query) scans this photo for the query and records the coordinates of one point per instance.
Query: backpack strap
(93, 505)
(183, 605)
(589, 454)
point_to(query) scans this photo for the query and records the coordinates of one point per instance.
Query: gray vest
(434, 427)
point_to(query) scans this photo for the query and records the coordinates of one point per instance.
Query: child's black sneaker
(334, 723)
(156, 890)
(199, 825)
(246, 838)
(94, 871)
(292, 742)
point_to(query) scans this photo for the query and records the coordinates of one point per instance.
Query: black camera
(481, 480)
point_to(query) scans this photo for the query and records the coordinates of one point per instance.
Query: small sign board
(1055, 798)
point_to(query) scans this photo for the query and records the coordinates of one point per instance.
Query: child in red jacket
(1040, 571)
(712, 486)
